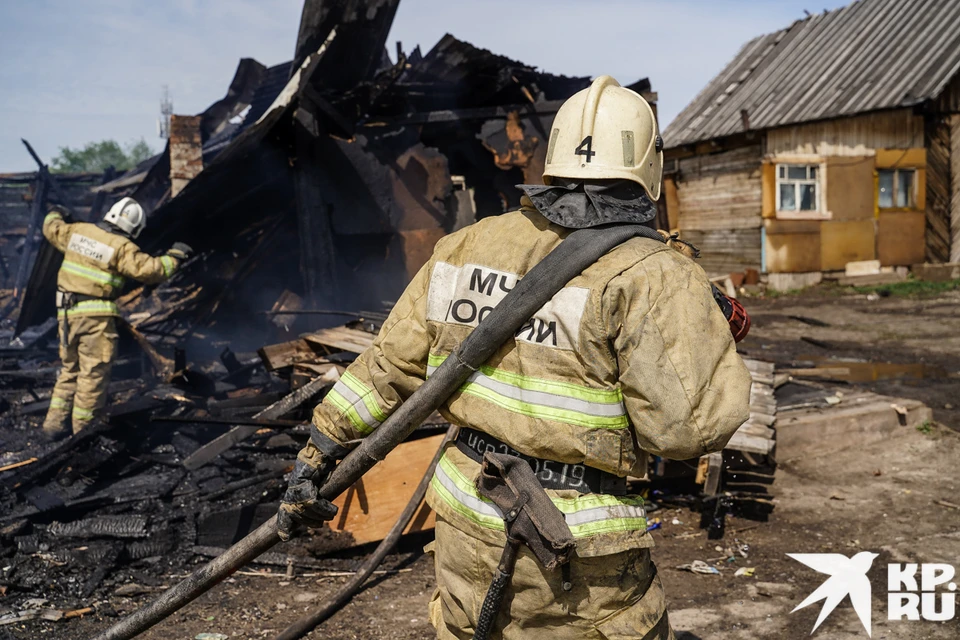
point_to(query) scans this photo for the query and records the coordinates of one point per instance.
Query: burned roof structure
(331, 177)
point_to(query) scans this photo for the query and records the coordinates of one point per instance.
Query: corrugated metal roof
(867, 56)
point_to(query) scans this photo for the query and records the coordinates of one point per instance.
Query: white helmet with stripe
(606, 132)
(127, 214)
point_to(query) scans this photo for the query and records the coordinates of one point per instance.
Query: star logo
(848, 576)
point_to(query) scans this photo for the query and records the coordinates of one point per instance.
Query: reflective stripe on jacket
(633, 357)
(96, 263)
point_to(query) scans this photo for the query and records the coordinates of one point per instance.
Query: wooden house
(834, 140)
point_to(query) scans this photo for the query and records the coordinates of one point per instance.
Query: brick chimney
(186, 151)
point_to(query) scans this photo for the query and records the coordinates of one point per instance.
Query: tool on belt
(530, 518)
(67, 300)
(549, 473)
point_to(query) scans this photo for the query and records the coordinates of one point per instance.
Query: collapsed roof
(331, 177)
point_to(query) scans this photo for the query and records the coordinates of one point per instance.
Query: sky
(77, 71)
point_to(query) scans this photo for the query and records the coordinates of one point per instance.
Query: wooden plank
(342, 339)
(750, 444)
(278, 409)
(760, 366)
(370, 507)
(317, 249)
(711, 485)
(854, 422)
(871, 280)
(752, 428)
(285, 354)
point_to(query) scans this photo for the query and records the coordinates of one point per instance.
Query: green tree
(97, 156)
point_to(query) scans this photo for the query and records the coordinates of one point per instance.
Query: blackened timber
(271, 424)
(295, 400)
(36, 220)
(317, 251)
(99, 199)
(548, 107)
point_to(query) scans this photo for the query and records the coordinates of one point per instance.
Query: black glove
(181, 251)
(301, 504)
(64, 214)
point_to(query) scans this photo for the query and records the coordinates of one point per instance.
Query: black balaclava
(576, 204)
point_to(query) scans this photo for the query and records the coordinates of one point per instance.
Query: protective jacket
(633, 357)
(95, 263)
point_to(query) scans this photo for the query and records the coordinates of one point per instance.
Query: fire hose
(574, 254)
(309, 622)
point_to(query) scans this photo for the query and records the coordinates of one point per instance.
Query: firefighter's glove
(181, 251)
(62, 212)
(673, 241)
(301, 505)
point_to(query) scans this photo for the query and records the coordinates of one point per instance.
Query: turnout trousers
(613, 597)
(88, 346)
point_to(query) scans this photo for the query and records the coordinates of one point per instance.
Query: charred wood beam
(36, 219)
(35, 294)
(243, 484)
(100, 198)
(549, 107)
(317, 105)
(270, 424)
(295, 400)
(317, 251)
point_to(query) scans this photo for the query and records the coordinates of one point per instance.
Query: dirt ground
(893, 497)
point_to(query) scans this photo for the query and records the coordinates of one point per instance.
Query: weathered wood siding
(955, 187)
(938, 189)
(856, 136)
(719, 201)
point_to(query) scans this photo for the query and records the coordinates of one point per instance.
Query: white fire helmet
(128, 216)
(606, 132)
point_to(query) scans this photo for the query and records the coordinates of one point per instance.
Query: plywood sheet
(341, 339)
(850, 188)
(792, 246)
(846, 241)
(370, 508)
(900, 238)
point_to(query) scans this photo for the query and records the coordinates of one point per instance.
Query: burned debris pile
(164, 480)
(312, 192)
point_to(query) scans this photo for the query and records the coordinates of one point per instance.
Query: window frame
(912, 205)
(820, 211)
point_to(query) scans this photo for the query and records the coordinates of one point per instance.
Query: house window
(798, 187)
(896, 188)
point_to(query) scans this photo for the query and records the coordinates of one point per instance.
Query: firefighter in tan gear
(631, 358)
(97, 258)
